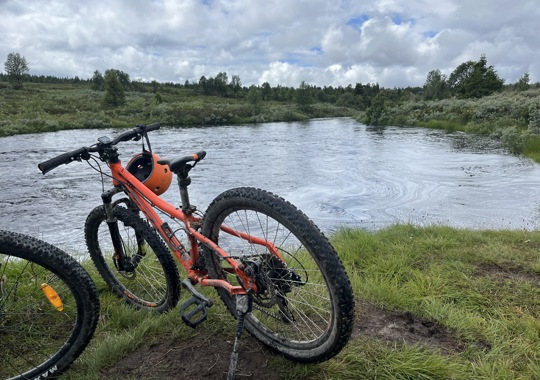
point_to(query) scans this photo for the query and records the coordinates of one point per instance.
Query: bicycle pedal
(193, 311)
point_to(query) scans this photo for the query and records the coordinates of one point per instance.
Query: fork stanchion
(243, 306)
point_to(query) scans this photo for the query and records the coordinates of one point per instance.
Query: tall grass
(49, 107)
(532, 148)
(482, 286)
(448, 125)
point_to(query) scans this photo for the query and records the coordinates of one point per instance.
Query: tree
(123, 78)
(203, 84)
(375, 112)
(220, 83)
(97, 81)
(459, 76)
(155, 86)
(16, 67)
(114, 92)
(523, 82)
(266, 91)
(436, 87)
(255, 98)
(347, 100)
(236, 85)
(303, 97)
(474, 79)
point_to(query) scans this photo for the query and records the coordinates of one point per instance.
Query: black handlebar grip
(199, 155)
(134, 133)
(64, 158)
(125, 136)
(152, 127)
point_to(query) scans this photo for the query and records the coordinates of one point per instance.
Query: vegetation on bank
(511, 116)
(476, 293)
(46, 107)
(472, 99)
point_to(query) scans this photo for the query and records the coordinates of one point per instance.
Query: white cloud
(282, 72)
(321, 42)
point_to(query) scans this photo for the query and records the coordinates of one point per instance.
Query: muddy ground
(160, 361)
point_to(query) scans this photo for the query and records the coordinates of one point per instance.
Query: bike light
(52, 296)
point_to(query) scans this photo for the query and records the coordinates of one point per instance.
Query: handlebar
(135, 133)
(64, 158)
(77, 154)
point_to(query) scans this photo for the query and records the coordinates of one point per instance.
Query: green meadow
(432, 303)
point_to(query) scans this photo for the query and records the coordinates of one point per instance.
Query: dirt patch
(404, 327)
(506, 273)
(207, 357)
(195, 358)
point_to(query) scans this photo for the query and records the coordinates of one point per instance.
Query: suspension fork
(121, 260)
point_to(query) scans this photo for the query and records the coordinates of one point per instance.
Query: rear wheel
(151, 280)
(49, 308)
(305, 306)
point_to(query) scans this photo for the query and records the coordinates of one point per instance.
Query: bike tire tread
(328, 260)
(80, 284)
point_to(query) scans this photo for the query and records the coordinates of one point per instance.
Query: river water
(339, 172)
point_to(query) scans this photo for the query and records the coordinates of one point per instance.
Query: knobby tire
(40, 338)
(154, 283)
(306, 310)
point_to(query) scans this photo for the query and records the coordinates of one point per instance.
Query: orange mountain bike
(272, 267)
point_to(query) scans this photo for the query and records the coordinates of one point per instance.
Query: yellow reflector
(52, 296)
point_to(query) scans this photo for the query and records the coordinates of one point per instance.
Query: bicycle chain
(261, 309)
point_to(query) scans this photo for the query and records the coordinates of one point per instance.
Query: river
(339, 172)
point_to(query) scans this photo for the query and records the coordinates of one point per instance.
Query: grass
(448, 125)
(31, 319)
(42, 107)
(532, 148)
(483, 286)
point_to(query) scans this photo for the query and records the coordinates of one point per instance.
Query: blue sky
(327, 43)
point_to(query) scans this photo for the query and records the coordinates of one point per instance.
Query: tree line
(471, 79)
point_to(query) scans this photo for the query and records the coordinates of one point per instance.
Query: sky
(394, 43)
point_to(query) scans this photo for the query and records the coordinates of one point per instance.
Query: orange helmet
(145, 168)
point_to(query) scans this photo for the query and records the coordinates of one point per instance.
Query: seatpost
(183, 182)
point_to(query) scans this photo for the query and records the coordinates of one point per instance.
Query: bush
(96, 124)
(513, 139)
(534, 122)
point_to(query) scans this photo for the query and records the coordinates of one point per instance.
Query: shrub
(534, 122)
(96, 124)
(513, 139)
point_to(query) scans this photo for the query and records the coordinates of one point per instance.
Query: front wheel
(149, 279)
(49, 308)
(305, 305)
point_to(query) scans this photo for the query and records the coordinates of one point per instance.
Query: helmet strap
(147, 142)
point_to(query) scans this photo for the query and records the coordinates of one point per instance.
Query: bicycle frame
(146, 201)
(305, 310)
